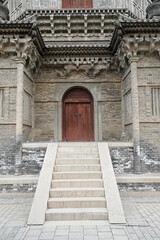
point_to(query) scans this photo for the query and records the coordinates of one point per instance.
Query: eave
(22, 29)
(133, 27)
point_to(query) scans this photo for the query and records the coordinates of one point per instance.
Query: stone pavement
(142, 214)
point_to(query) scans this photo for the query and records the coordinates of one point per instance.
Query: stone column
(19, 116)
(135, 115)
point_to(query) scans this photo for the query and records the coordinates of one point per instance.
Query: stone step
(71, 214)
(69, 161)
(76, 192)
(72, 183)
(77, 168)
(77, 223)
(77, 175)
(75, 149)
(77, 144)
(82, 155)
(96, 202)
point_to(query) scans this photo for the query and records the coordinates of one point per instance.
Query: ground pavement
(142, 214)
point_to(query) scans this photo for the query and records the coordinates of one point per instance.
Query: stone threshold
(142, 194)
(45, 144)
(121, 178)
(138, 178)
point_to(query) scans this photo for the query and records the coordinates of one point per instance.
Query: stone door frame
(95, 90)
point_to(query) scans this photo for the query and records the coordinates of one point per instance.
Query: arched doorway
(78, 116)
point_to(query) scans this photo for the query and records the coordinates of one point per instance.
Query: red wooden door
(78, 116)
(71, 121)
(77, 4)
(84, 120)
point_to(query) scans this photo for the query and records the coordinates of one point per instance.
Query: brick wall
(148, 77)
(47, 86)
(8, 76)
(32, 160)
(7, 149)
(111, 121)
(122, 159)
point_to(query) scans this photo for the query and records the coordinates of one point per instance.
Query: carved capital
(131, 48)
(21, 49)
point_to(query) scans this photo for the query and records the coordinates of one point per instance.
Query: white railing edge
(39, 205)
(113, 200)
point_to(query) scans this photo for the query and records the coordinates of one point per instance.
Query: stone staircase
(77, 191)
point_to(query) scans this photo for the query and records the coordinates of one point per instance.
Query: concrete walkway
(142, 214)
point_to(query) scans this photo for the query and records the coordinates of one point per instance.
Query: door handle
(76, 114)
(80, 115)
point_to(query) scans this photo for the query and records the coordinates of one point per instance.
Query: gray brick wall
(122, 159)
(32, 160)
(7, 149)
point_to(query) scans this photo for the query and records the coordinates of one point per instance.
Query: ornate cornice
(133, 27)
(134, 39)
(22, 41)
(22, 29)
(75, 12)
(131, 38)
(81, 50)
(76, 24)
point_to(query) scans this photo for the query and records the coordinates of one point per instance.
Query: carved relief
(21, 49)
(90, 71)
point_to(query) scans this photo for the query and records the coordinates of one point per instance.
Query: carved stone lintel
(90, 71)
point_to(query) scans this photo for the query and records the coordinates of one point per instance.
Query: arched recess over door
(78, 115)
(77, 4)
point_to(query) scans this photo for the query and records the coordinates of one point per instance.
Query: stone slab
(24, 179)
(114, 204)
(120, 144)
(136, 178)
(35, 145)
(39, 206)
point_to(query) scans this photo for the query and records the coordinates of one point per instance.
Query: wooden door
(77, 4)
(71, 121)
(78, 116)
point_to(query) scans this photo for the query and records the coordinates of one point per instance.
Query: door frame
(87, 100)
(60, 89)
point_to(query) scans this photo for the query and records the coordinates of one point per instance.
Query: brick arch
(77, 3)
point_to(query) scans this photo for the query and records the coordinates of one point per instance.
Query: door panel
(71, 121)
(84, 116)
(78, 119)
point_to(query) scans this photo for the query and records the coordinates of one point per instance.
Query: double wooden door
(78, 117)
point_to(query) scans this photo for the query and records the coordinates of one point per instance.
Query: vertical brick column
(135, 115)
(19, 116)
